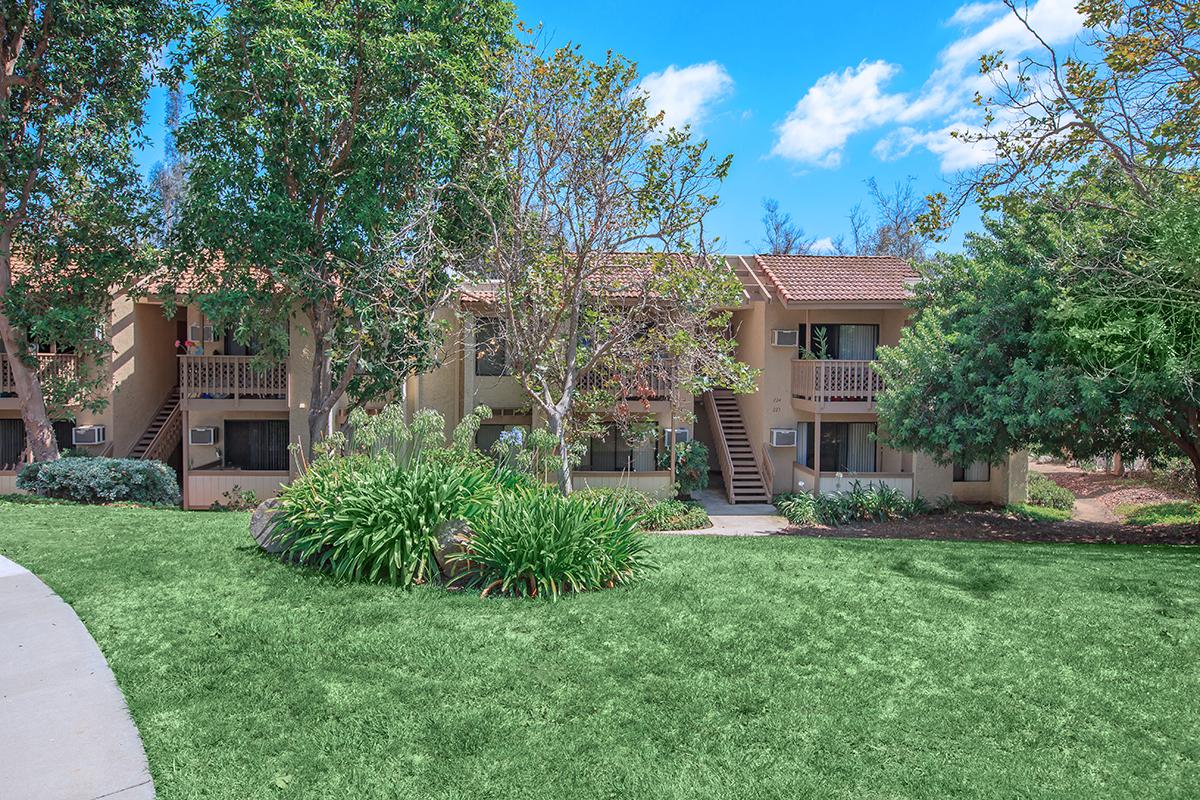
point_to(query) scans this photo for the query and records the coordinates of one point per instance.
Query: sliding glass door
(845, 446)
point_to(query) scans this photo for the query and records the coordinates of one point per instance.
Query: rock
(452, 536)
(262, 526)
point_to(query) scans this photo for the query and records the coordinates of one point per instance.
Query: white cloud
(835, 108)
(824, 246)
(842, 104)
(953, 151)
(685, 94)
(973, 13)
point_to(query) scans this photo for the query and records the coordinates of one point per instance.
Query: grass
(1037, 513)
(1180, 513)
(746, 668)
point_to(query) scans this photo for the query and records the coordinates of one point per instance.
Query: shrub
(1045, 492)
(370, 520)
(877, 503)
(675, 515)
(102, 480)
(537, 542)
(798, 509)
(691, 466)
(639, 503)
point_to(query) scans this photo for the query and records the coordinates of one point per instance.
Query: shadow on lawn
(978, 581)
(993, 525)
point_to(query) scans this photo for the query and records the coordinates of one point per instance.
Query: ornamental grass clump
(537, 543)
(364, 519)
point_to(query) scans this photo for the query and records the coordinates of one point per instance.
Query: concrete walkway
(65, 733)
(1087, 509)
(744, 519)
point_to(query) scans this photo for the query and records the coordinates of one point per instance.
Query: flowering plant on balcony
(187, 346)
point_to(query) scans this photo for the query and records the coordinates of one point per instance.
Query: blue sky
(811, 98)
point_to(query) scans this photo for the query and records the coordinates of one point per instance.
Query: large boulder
(453, 536)
(264, 524)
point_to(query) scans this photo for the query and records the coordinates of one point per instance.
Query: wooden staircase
(162, 434)
(743, 480)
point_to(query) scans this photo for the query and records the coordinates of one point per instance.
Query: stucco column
(816, 465)
(930, 479)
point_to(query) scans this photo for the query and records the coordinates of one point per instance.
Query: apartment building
(811, 325)
(180, 389)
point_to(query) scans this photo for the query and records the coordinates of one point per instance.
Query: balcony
(232, 382)
(53, 367)
(835, 385)
(651, 386)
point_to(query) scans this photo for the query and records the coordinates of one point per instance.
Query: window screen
(259, 444)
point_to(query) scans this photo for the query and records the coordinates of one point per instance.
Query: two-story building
(182, 390)
(179, 389)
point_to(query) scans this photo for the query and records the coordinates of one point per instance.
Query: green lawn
(1160, 514)
(1037, 513)
(745, 668)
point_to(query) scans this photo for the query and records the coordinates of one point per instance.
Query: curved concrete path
(65, 732)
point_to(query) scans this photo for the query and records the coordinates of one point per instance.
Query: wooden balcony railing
(649, 386)
(835, 381)
(231, 378)
(53, 367)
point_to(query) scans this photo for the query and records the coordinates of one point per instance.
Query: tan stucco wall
(144, 368)
(657, 484)
(931, 480)
(206, 488)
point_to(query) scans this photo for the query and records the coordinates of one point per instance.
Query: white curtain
(860, 450)
(857, 342)
(979, 471)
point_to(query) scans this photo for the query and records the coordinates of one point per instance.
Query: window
(12, 442)
(12, 439)
(610, 452)
(260, 444)
(489, 433)
(980, 471)
(845, 446)
(490, 356)
(853, 342)
(234, 348)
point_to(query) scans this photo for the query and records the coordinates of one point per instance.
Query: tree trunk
(558, 427)
(39, 431)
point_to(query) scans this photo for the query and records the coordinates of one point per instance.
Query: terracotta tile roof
(824, 279)
(623, 275)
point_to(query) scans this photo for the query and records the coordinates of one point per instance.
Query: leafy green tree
(319, 152)
(596, 263)
(1066, 332)
(72, 93)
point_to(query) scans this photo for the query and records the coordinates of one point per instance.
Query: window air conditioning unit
(205, 435)
(783, 437)
(87, 434)
(785, 338)
(681, 435)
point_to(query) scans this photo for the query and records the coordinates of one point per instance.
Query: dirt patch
(1109, 490)
(993, 525)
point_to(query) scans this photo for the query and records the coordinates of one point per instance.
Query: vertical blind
(845, 446)
(610, 452)
(257, 444)
(12, 442)
(979, 471)
(857, 342)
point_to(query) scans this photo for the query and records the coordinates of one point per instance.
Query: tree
(1125, 94)
(169, 177)
(1073, 333)
(319, 152)
(784, 237)
(75, 79)
(601, 272)
(893, 229)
